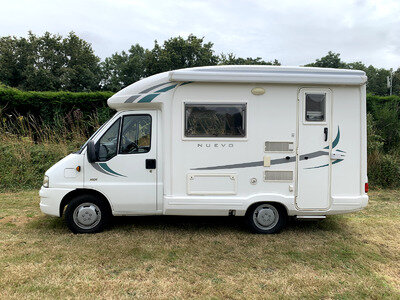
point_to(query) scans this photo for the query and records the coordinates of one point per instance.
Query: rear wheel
(266, 218)
(87, 214)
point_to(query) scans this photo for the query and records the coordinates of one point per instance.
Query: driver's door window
(107, 145)
(135, 134)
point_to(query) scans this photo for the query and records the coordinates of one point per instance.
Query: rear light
(366, 187)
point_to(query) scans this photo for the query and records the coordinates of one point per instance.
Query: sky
(294, 32)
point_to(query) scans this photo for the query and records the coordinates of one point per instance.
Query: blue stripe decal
(148, 98)
(108, 169)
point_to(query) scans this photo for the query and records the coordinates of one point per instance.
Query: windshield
(93, 135)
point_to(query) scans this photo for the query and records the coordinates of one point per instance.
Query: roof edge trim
(268, 77)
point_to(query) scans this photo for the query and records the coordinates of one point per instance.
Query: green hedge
(47, 105)
(385, 112)
(374, 101)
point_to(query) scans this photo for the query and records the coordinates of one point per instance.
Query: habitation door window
(135, 134)
(315, 107)
(215, 120)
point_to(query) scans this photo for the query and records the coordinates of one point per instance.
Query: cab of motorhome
(262, 142)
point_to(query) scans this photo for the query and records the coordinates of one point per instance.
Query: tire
(271, 220)
(87, 214)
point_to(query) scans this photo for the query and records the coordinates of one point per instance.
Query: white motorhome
(257, 141)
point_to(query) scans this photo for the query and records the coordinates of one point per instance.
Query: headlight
(46, 181)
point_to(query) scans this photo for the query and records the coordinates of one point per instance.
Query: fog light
(46, 181)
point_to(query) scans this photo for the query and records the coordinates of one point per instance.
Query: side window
(215, 120)
(315, 107)
(106, 147)
(135, 134)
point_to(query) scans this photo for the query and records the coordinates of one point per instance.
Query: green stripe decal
(334, 162)
(317, 167)
(148, 98)
(105, 167)
(337, 161)
(336, 141)
(166, 88)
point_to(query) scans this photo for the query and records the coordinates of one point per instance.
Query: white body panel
(218, 175)
(313, 173)
(123, 179)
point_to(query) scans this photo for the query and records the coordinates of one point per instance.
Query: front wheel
(266, 218)
(86, 214)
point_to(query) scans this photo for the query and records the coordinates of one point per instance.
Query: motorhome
(263, 142)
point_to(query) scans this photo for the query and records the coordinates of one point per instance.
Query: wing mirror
(91, 152)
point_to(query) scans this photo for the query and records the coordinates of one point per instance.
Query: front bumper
(50, 200)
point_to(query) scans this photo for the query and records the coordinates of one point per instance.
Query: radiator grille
(278, 146)
(278, 176)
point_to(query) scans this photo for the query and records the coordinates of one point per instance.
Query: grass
(28, 148)
(343, 257)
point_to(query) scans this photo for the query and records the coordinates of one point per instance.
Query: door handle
(337, 155)
(150, 164)
(326, 133)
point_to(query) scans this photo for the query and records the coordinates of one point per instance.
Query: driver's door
(126, 171)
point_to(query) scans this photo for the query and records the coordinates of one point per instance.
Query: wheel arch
(278, 204)
(77, 192)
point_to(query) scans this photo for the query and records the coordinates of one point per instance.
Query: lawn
(343, 257)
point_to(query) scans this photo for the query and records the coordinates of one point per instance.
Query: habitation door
(313, 160)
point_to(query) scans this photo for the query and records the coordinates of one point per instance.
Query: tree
(178, 53)
(331, 60)
(81, 65)
(231, 59)
(48, 62)
(396, 82)
(357, 65)
(43, 69)
(122, 69)
(14, 55)
(376, 83)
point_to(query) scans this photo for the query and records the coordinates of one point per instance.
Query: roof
(147, 89)
(270, 74)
